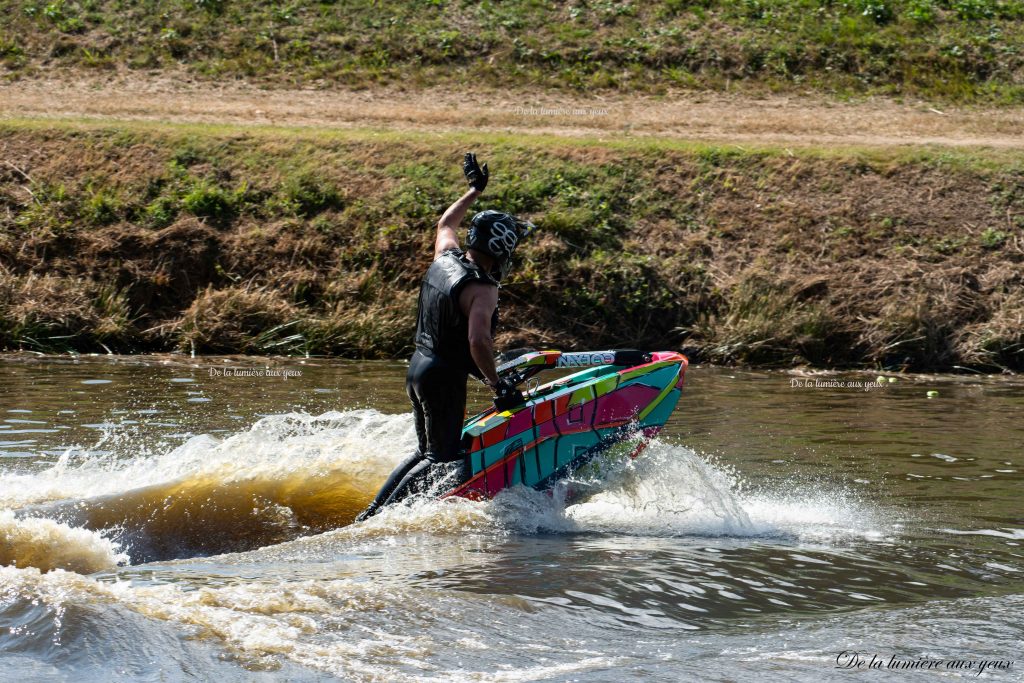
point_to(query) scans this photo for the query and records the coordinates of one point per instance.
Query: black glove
(476, 176)
(507, 397)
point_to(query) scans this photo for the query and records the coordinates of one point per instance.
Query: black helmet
(497, 234)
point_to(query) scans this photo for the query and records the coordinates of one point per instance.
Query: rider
(458, 311)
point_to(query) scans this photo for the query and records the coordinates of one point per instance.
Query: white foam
(365, 442)
(672, 491)
(668, 491)
(357, 630)
(48, 545)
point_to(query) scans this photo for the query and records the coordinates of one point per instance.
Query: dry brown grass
(771, 319)
(998, 340)
(844, 259)
(50, 311)
(769, 119)
(244, 319)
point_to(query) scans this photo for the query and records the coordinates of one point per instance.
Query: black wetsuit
(436, 381)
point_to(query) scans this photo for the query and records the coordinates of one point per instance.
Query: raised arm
(448, 226)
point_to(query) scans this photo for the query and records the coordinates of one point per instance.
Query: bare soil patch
(777, 120)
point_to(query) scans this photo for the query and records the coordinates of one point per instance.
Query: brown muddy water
(167, 518)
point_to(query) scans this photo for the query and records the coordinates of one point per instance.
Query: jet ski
(620, 397)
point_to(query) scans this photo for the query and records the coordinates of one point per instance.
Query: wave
(287, 475)
(48, 545)
(297, 475)
(350, 628)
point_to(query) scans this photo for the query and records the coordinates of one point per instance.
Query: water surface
(171, 518)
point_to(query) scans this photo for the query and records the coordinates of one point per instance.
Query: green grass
(863, 156)
(943, 50)
(302, 240)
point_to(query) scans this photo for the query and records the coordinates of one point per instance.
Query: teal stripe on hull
(659, 416)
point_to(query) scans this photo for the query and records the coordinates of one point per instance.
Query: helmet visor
(524, 228)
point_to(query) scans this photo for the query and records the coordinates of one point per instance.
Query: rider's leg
(399, 474)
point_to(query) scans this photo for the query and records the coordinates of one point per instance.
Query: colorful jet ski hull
(568, 422)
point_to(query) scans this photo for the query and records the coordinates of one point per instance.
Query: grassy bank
(945, 50)
(149, 237)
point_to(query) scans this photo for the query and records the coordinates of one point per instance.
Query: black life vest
(442, 330)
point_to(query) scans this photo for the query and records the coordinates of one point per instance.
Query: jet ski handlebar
(527, 365)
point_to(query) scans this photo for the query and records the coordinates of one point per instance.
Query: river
(165, 518)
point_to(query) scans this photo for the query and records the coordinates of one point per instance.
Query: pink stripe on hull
(624, 403)
(519, 423)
